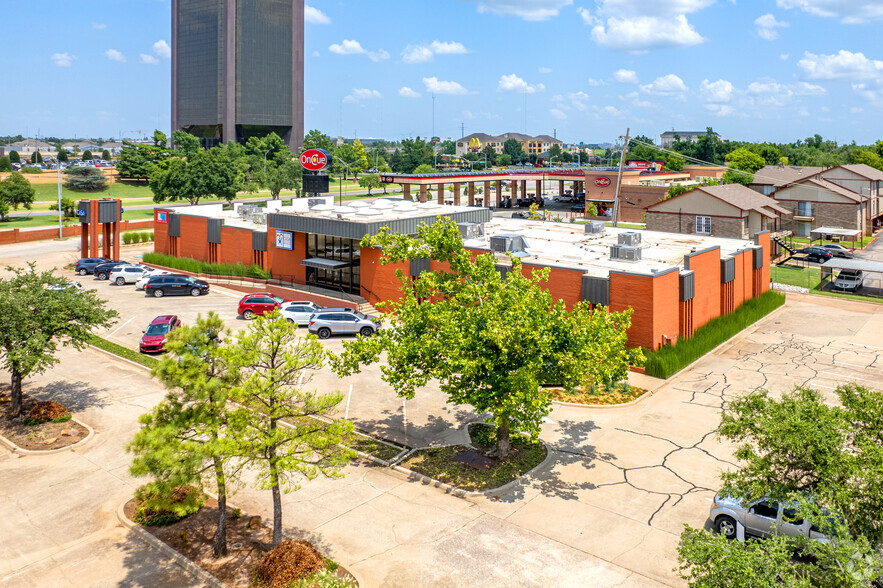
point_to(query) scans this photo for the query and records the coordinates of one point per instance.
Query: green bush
(31, 421)
(237, 512)
(136, 237)
(5, 164)
(145, 236)
(14, 157)
(62, 419)
(127, 238)
(31, 170)
(84, 179)
(668, 360)
(184, 501)
(123, 352)
(195, 266)
(151, 235)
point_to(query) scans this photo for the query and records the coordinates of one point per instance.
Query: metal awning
(835, 231)
(837, 263)
(326, 264)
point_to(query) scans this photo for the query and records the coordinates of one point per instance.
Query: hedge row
(668, 360)
(131, 237)
(196, 266)
(123, 352)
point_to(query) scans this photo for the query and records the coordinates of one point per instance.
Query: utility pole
(433, 116)
(462, 130)
(625, 147)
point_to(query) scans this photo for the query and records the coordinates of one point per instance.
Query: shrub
(47, 411)
(289, 561)
(151, 235)
(31, 170)
(5, 164)
(324, 579)
(84, 179)
(184, 501)
(145, 236)
(195, 266)
(237, 512)
(127, 238)
(670, 359)
(136, 237)
(87, 155)
(14, 157)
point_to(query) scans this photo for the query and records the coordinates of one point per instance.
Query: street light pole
(340, 181)
(60, 212)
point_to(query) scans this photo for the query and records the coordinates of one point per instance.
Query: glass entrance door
(344, 278)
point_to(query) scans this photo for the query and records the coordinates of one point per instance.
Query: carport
(872, 285)
(834, 234)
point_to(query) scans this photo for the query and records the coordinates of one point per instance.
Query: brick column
(471, 192)
(561, 187)
(487, 194)
(116, 240)
(441, 193)
(93, 228)
(513, 189)
(406, 191)
(539, 189)
(106, 241)
(524, 188)
(422, 192)
(499, 185)
(456, 194)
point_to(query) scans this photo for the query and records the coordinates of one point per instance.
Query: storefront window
(344, 278)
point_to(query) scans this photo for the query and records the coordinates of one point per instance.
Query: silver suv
(761, 519)
(341, 321)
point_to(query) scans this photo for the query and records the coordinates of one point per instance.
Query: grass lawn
(801, 277)
(48, 220)
(374, 447)
(620, 394)
(440, 463)
(803, 241)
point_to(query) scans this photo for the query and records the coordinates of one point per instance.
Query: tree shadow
(75, 396)
(393, 428)
(147, 566)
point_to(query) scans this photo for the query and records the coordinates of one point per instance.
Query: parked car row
(321, 321)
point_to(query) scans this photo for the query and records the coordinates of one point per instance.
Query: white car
(128, 274)
(299, 311)
(849, 280)
(60, 287)
(141, 281)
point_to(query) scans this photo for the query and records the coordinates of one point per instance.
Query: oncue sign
(315, 159)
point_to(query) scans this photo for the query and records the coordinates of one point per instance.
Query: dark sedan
(817, 254)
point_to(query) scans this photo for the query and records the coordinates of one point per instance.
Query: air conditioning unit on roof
(630, 238)
(471, 230)
(625, 253)
(595, 228)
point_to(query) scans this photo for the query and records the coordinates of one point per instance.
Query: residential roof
(520, 137)
(739, 196)
(864, 170)
(831, 187)
(778, 176)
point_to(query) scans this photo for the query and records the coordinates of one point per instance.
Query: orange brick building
(674, 283)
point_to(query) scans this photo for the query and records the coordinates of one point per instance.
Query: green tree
(361, 158)
(87, 155)
(62, 155)
(489, 153)
(270, 149)
(677, 190)
(286, 176)
(136, 160)
(16, 191)
(36, 157)
(491, 343)
(414, 152)
(34, 322)
(674, 162)
(503, 159)
(825, 458)
(370, 182)
(194, 431)
(345, 160)
(76, 150)
(745, 160)
(868, 157)
(160, 140)
(84, 179)
(289, 431)
(186, 145)
(5, 164)
(317, 140)
(206, 173)
(424, 168)
(514, 150)
(732, 176)
(105, 155)
(448, 147)
(14, 157)
(68, 207)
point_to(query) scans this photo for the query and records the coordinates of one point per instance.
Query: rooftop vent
(631, 238)
(508, 243)
(595, 228)
(625, 252)
(471, 230)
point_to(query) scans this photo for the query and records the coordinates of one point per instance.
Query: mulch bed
(40, 437)
(583, 396)
(193, 537)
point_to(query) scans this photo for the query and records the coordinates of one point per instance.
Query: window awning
(326, 264)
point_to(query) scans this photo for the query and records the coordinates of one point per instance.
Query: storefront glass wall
(347, 277)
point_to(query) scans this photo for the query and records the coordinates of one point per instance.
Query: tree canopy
(84, 179)
(15, 191)
(490, 342)
(206, 173)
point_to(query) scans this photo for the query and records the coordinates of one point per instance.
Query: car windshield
(157, 330)
(360, 315)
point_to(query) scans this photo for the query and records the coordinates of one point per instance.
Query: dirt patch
(619, 395)
(39, 437)
(247, 541)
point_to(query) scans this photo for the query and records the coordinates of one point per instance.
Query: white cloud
(668, 85)
(595, 82)
(852, 12)
(626, 76)
(316, 54)
(115, 55)
(437, 86)
(524, 9)
(512, 83)
(856, 110)
(315, 16)
(867, 93)
(784, 56)
(559, 114)
(425, 53)
(544, 70)
(347, 47)
(719, 91)
(585, 15)
(359, 94)
(612, 111)
(643, 33)
(578, 100)
(378, 55)
(99, 25)
(448, 48)
(769, 93)
(767, 25)
(162, 49)
(148, 59)
(408, 92)
(62, 59)
(721, 109)
(842, 65)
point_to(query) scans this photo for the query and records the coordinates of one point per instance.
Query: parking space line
(121, 326)
(346, 413)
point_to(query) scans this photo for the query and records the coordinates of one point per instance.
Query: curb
(119, 357)
(16, 449)
(195, 570)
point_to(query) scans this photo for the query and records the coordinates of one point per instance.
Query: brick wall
(642, 197)
(564, 284)
(707, 286)
(825, 214)
(235, 246)
(194, 237)
(283, 262)
(379, 281)
(655, 301)
(8, 236)
(685, 223)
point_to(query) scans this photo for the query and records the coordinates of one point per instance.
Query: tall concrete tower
(238, 69)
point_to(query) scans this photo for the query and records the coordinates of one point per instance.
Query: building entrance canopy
(323, 263)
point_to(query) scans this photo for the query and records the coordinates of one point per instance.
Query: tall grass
(196, 266)
(668, 360)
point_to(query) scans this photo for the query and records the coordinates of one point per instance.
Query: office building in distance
(237, 69)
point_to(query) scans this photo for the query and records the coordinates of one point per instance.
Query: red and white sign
(160, 216)
(602, 181)
(652, 165)
(314, 159)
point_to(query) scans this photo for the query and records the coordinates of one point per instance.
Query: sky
(583, 70)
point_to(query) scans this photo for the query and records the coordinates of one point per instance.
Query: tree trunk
(16, 393)
(219, 549)
(503, 444)
(277, 497)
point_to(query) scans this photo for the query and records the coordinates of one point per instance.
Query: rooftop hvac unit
(625, 253)
(630, 238)
(595, 228)
(471, 230)
(508, 243)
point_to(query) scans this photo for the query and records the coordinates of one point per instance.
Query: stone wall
(732, 228)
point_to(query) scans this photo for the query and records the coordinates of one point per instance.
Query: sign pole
(60, 212)
(625, 147)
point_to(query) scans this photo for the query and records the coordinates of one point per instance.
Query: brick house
(730, 210)
(815, 202)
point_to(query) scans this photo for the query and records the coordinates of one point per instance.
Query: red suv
(258, 303)
(154, 338)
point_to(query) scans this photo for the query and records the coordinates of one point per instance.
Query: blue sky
(585, 69)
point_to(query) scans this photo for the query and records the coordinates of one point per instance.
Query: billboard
(315, 184)
(315, 159)
(284, 240)
(651, 165)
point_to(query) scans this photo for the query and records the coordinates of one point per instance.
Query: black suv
(817, 254)
(87, 264)
(160, 286)
(102, 270)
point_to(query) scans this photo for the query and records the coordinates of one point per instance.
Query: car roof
(290, 302)
(165, 319)
(337, 309)
(250, 294)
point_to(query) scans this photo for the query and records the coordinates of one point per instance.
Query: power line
(690, 159)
